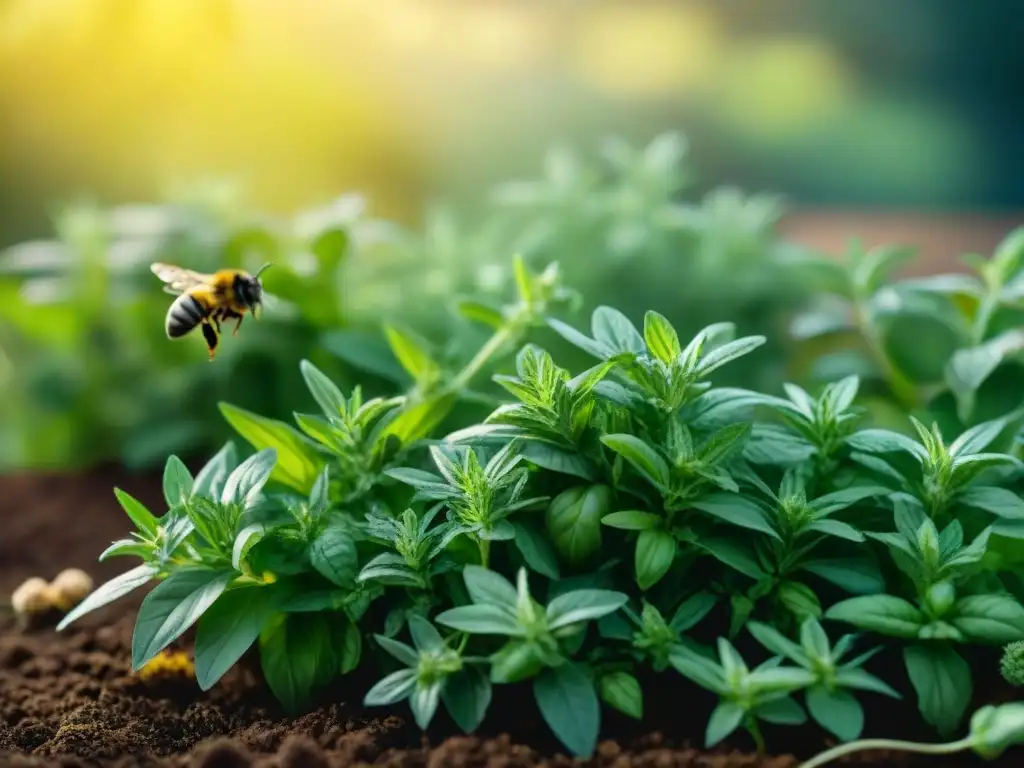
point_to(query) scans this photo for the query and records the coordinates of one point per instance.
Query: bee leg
(216, 321)
(210, 336)
(238, 325)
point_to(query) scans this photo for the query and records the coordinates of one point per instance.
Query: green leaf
(621, 690)
(693, 609)
(724, 720)
(836, 711)
(799, 599)
(424, 634)
(736, 510)
(297, 655)
(210, 480)
(480, 313)
(1001, 502)
(246, 482)
(632, 520)
(995, 619)
(227, 630)
(661, 338)
(977, 438)
(419, 421)
(298, 463)
(333, 555)
(173, 607)
(836, 528)
(351, 648)
(557, 460)
(324, 391)
(481, 619)
(411, 353)
(516, 661)
(536, 549)
(884, 441)
(319, 499)
(143, 519)
(855, 677)
(732, 554)
(777, 643)
(405, 654)
(775, 679)
(885, 614)
(614, 330)
(643, 457)
(466, 696)
(490, 588)
(329, 247)
(698, 668)
(177, 482)
(126, 548)
(396, 687)
(655, 552)
(942, 680)
(590, 346)
(967, 369)
(833, 502)
(367, 352)
(726, 353)
(570, 706)
(573, 521)
(859, 576)
(117, 587)
(783, 711)
(583, 605)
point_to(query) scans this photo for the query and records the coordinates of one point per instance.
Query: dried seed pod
(33, 597)
(70, 587)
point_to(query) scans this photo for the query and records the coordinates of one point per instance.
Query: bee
(205, 300)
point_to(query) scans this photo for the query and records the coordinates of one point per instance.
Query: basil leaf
(227, 630)
(570, 706)
(173, 607)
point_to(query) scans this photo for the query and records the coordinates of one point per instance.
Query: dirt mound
(69, 700)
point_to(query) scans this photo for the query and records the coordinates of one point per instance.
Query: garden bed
(70, 699)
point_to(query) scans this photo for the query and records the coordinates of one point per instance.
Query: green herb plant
(596, 528)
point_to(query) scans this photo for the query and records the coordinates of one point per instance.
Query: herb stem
(754, 729)
(979, 327)
(485, 552)
(903, 389)
(907, 746)
(499, 339)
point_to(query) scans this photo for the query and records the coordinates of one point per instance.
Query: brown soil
(70, 699)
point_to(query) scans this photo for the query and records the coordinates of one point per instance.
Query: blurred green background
(392, 156)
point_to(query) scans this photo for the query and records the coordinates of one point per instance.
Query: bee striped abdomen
(184, 315)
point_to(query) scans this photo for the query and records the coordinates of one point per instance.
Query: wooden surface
(940, 237)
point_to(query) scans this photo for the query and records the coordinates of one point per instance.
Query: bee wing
(178, 279)
(271, 302)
